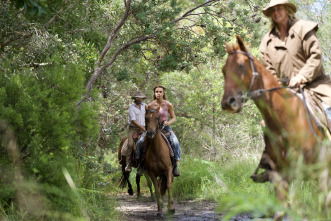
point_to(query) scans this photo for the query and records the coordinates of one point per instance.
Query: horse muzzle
(232, 104)
(151, 134)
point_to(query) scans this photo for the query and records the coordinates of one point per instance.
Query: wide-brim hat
(138, 94)
(272, 3)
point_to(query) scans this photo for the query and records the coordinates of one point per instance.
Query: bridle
(157, 128)
(258, 92)
(249, 94)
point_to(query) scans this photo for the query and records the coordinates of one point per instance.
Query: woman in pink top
(166, 109)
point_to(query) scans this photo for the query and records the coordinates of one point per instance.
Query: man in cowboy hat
(136, 122)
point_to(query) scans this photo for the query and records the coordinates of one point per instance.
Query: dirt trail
(144, 209)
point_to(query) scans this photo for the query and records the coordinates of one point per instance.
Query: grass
(229, 185)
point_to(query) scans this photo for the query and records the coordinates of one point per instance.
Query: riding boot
(174, 167)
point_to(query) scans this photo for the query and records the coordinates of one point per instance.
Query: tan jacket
(300, 54)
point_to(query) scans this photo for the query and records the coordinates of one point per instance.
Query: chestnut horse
(126, 175)
(157, 161)
(289, 129)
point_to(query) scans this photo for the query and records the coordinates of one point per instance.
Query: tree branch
(193, 9)
(99, 70)
(115, 31)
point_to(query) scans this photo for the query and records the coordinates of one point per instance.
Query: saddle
(166, 134)
(133, 155)
(166, 137)
(314, 106)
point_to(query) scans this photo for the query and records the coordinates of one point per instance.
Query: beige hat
(138, 94)
(272, 3)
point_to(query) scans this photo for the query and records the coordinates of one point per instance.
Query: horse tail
(163, 185)
(123, 181)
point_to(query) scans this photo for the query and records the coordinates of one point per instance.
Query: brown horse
(126, 175)
(289, 130)
(157, 161)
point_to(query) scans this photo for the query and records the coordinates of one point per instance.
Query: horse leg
(171, 208)
(149, 183)
(127, 176)
(138, 185)
(158, 195)
(281, 188)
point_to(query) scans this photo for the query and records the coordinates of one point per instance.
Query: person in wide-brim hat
(291, 50)
(267, 10)
(136, 122)
(138, 94)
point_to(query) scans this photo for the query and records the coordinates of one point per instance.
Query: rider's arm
(172, 115)
(133, 121)
(138, 125)
(312, 51)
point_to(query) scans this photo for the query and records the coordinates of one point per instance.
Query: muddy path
(144, 209)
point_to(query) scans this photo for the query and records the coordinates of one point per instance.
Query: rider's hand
(166, 123)
(296, 81)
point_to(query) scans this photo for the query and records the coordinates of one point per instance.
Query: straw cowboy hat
(266, 11)
(138, 94)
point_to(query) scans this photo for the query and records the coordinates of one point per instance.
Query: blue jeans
(327, 110)
(173, 141)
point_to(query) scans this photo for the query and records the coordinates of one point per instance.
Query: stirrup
(128, 168)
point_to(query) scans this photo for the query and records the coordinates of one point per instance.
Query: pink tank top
(163, 113)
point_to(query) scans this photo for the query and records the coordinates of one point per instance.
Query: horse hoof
(160, 215)
(279, 216)
(171, 212)
(130, 192)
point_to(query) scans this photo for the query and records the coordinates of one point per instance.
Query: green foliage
(244, 196)
(197, 178)
(33, 7)
(41, 107)
(46, 61)
(202, 125)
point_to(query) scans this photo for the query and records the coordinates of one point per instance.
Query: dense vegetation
(67, 70)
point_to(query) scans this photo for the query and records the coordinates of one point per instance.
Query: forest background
(67, 73)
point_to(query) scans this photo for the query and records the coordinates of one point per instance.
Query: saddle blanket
(125, 150)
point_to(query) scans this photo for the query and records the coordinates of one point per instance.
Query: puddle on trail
(144, 209)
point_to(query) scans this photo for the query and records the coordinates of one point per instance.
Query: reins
(258, 92)
(157, 128)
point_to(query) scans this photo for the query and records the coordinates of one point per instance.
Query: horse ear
(228, 47)
(157, 109)
(241, 43)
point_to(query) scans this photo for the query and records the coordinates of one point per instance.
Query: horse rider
(291, 50)
(166, 109)
(136, 121)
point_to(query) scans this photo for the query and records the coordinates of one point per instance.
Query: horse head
(238, 74)
(152, 122)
